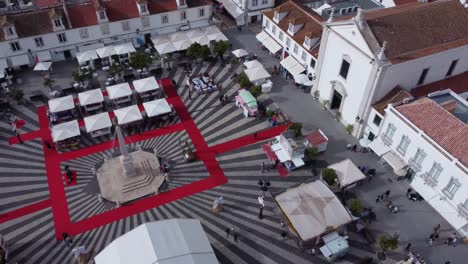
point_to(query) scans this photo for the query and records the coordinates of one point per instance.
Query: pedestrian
(221, 97)
(69, 174)
(389, 204)
(387, 194)
(225, 99)
(263, 167)
(381, 197)
(47, 144)
(255, 135)
(161, 169)
(437, 228)
(276, 163)
(19, 137)
(236, 238)
(407, 248)
(190, 94)
(174, 84)
(139, 130)
(431, 239)
(377, 199)
(228, 232)
(354, 148)
(408, 192)
(67, 239)
(260, 214)
(284, 234)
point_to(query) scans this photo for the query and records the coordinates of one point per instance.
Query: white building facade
(247, 11)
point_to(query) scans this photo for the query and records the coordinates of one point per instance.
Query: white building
(363, 58)
(56, 33)
(427, 139)
(297, 30)
(247, 11)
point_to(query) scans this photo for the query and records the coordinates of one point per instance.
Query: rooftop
(458, 84)
(346, 7)
(396, 95)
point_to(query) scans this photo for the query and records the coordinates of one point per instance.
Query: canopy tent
(97, 122)
(86, 56)
(182, 44)
(106, 52)
(240, 53)
(65, 130)
(91, 97)
(165, 48)
(128, 114)
(256, 74)
(202, 40)
(42, 66)
(272, 45)
(217, 37)
(61, 104)
(90, 47)
(161, 40)
(178, 36)
(157, 107)
(302, 79)
(262, 36)
(145, 85)
(312, 209)
(234, 11)
(292, 66)
(119, 90)
(347, 172)
(173, 241)
(125, 48)
(248, 98)
(195, 33)
(20, 60)
(252, 64)
(44, 56)
(397, 163)
(378, 147)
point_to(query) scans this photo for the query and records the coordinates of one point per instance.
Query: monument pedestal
(128, 167)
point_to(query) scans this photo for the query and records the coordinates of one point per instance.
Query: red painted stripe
(24, 211)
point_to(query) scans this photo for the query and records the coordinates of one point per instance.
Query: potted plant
(17, 94)
(386, 243)
(325, 104)
(316, 94)
(220, 47)
(256, 91)
(338, 116)
(297, 129)
(355, 206)
(349, 129)
(48, 83)
(329, 176)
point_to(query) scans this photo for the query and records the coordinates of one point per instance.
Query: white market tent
(174, 241)
(347, 172)
(61, 104)
(165, 48)
(86, 56)
(257, 74)
(119, 90)
(65, 130)
(214, 34)
(292, 66)
(91, 97)
(97, 122)
(178, 36)
(128, 114)
(312, 209)
(252, 64)
(42, 66)
(378, 147)
(106, 52)
(157, 107)
(202, 40)
(161, 40)
(125, 48)
(182, 44)
(145, 85)
(240, 53)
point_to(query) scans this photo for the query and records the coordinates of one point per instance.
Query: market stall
(91, 100)
(348, 174)
(147, 88)
(42, 66)
(66, 135)
(61, 109)
(119, 93)
(288, 151)
(316, 139)
(106, 53)
(239, 53)
(86, 56)
(247, 102)
(157, 108)
(98, 125)
(252, 64)
(336, 246)
(257, 75)
(128, 115)
(214, 34)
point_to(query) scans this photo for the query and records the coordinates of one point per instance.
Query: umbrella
(42, 66)
(240, 53)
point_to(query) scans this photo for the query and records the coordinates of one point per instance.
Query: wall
(370, 126)
(269, 4)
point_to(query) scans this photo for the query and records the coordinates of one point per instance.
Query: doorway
(148, 38)
(67, 54)
(336, 100)
(253, 19)
(410, 175)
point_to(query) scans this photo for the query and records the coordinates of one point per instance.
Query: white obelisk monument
(126, 158)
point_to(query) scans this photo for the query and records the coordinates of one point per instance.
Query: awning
(347, 172)
(272, 45)
(128, 115)
(165, 48)
(297, 69)
(119, 90)
(90, 47)
(106, 52)
(232, 8)
(91, 97)
(65, 130)
(86, 56)
(240, 53)
(202, 40)
(292, 66)
(157, 107)
(262, 36)
(145, 85)
(394, 161)
(252, 64)
(124, 48)
(44, 56)
(178, 36)
(97, 122)
(378, 147)
(61, 104)
(161, 40)
(20, 60)
(182, 44)
(42, 66)
(256, 74)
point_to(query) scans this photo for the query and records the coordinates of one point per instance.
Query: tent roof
(96, 122)
(182, 44)
(240, 53)
(157, 107)
(165, 48)
(145, 85)
(65, 130)
(171, 241)
(252, 64)
(258, 73)
(161, 40)
(106, 52)
(347, 172)
(42, 66)
(312, 208)
(119, 90)
(61, 104)
(124, 48)
(128, 114)
(91, 97)
(87, 55)
(178, 36)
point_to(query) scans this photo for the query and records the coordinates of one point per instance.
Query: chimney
(332, 14)
(449, 105)
(65, 11)
(381, 54)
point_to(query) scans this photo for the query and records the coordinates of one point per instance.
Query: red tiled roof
(440, 125)
(121, 10)
(45, 3)
(458, 84)
(155, 7)
(316, 138)
(396, 95)
(82, 15)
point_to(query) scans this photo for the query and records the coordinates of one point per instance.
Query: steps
(150, 174)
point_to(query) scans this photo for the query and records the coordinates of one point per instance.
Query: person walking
(387, 194)
(276, 162)
(225, 100)
(377, 199)
(236, 238)
(407, 248)
(228, 232)
(18, 137)
(255, 135)
(69, 174)
(260, 214)
(437, 228)
(67, 239)
(263, 167)
(47, 144)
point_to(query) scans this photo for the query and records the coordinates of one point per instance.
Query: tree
(256, 91)
(116, 70)
(140, 60)
(194, 51)
(220, 47)
(205, 52)
(329, 176)
(48, 83)
(79, 77)
(355, 206)
(386, 243)
(168, 59)
(243, 80)
(17, 94)
(312, 152)
(297, 129)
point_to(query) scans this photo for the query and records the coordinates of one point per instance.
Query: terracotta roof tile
(419, 29)
(82, 15)
(458, 84)
(440, 125)
(396, 95)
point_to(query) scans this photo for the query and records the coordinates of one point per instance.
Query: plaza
(36, 206)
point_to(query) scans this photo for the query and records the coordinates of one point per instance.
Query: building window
(201, 12)
(389, 134)
(254, 2)
(403, 146)
(102, 15)
(296, 48)
(267, 24)
(344, 69)
(451, 68)
(105, 30)
(288, 42)
(377, 120)
(183, 15)
(423, 76)
(164, 19)
(452, 187)
(281, 34)
(84, 33)
(264, 2)
(62, 37)
(276, 17)
(10, 31)
(435, 171)
(125, 25)
(145, 21)
(371, 136)
(58, 22)
(273, 30)
(15, 46)
(312, 62)
(304, 55)
(417, 160)
(307, 41)
(39, 42)
(143, 8)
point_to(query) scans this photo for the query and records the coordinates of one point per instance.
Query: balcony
(462, 210)
(429, 180)
(414, 166)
